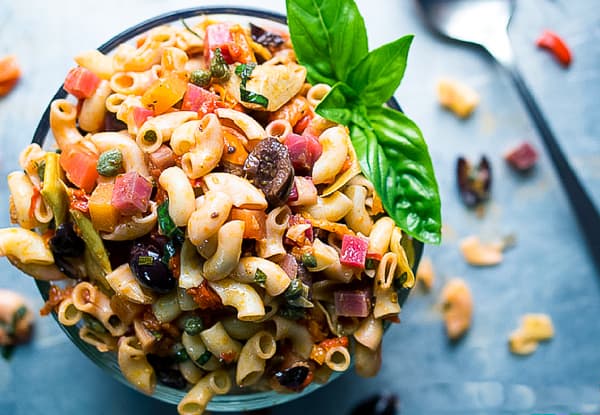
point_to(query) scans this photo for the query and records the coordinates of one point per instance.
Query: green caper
(193, 325)
(110, 163)
(200, 77)
(218, 67)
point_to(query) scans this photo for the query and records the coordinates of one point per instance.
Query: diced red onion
(131, 193)
(289, 265)
(352, 303)
(304, 150)
(163, 158)
(522, 158)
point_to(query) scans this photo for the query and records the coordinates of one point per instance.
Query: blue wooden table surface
(547, 271)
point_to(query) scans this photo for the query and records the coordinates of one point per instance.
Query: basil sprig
(330, 40)
(244, 71)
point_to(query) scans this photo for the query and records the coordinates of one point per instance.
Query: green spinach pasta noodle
(196, 214)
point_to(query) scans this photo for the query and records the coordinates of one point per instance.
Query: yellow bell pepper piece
(165, 92)
(103, 214)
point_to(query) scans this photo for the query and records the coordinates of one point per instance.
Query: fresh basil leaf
(336, 105)
(253, 98)
(394, 157)
(378, 74)
(244, 71)
(329, 37)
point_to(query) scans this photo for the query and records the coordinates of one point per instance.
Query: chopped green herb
(219, 68)
(294, 290)
(189, 29)
(110, 163)
(371, 263)
(93, 323)
(292, 313)
(200, 78)
(309, 260)
(7, 351)
(244, 71)
(165, 224)
(145, 260)
(204, 358)
(158, 335)
(167, 227)
(399, 282)
(150, 136)
(18, 315)
(260, 277)
(180, 354)
(297, 294)
(170, 251)
(193, 325)
(41, 169)
(253, 98)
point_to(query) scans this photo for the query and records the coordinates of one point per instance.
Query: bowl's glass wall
(108, 361)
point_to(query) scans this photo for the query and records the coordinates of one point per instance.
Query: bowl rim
(219, 403)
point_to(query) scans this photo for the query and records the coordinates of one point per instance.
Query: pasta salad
(200, 220)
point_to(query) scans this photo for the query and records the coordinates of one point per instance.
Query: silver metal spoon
(485, 23)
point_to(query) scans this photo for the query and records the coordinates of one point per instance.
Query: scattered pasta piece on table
(534, 328)
(457, 96)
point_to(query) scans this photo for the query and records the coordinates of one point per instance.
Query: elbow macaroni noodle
(245, 275)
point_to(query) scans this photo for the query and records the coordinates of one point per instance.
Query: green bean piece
(96, 272)
(218, 67)
(193, 325)
(200, 78)
(92, 240)
(53, 190)
(110, 163)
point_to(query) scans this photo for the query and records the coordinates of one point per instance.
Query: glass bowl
(108, 361)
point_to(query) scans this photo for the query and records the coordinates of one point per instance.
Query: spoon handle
(581, 203)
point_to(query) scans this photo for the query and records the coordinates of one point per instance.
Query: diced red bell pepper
(218, 35)
(199, 99)
(354, 251)
(555, 44)
(141, 114)
(79, 164)
(303, 123)
(131, 193)
(522, 158)
(304, 150)
(81, 82)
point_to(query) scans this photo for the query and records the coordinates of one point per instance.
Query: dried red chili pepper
(555, 44)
